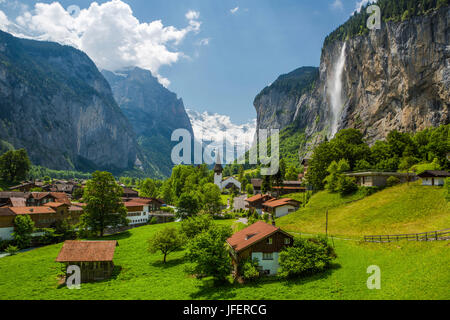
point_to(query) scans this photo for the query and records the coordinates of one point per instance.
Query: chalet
(257, 185)
(434, 178)
(130, 193)
(280, 207)
(95, 258)
(379, 179)
(6, 223)
(24, 187)
(261, 241)
(256, 202)
(142, 210)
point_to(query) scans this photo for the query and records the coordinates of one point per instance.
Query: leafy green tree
(23, 229)
(188, 204)
(266, 184)
(346, 185)
(77, 193)
(148, 189)
(362, 165)
(332, 179)
(212, 201)
(249, 269)
(167, 240)
(208, 253)
(14, 165)
(292, 173)
(250, 190)
(105, 208)
(193, 226)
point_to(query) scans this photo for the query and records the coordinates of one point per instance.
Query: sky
(217, 55)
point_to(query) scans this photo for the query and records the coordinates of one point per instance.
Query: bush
(153, 221)
(249, 269)
(346, 185)
(193, 226)
(306, 257)
(447, 184)
(12, 250)
(266, 217)
(392, 181)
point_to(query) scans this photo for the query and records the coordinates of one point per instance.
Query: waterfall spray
(335, 91)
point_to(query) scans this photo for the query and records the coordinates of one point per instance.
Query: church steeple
(218, 167)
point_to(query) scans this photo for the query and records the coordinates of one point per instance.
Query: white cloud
(109, 33)
(362, 3)
(234, 10)
(4, 22)
(216, 128)
(337, 4)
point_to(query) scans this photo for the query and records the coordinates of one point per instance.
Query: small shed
(434, 177)
(95, 258)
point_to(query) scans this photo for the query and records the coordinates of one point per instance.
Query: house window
(287, 241)
(269, 241)
(267, 256)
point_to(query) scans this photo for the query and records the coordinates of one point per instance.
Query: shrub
(153, 220)
(346, 185)
(193, 226)
(306, 257)
(12, 250)
(23, 228)
(447, 184)
(393, 181)
(249, 269)
(266, 217)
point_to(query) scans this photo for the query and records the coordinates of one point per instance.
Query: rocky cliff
(154, 113)
(397, 77)
(57, 105)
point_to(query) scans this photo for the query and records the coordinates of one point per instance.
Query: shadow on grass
(311, 278)
(209, 290)
(169, 263)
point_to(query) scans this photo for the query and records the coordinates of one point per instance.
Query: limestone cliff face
(394, 78)
(56, 104)
(154, 113)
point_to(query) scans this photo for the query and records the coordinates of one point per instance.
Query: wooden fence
(426, 236)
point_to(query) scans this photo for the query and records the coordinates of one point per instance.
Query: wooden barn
(95, 258)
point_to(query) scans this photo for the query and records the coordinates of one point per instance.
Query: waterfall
(335, 91)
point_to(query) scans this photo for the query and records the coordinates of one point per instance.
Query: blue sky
(239, 47)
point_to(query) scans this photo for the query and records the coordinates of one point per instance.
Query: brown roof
(55, 204)
(61, 197)
(32, 210)
(257, 198)
(434, 173)
(87, 251)
(256, 232)
(18, 202)
(75, 208)
(12, 194)
(279, 202)
(40, 195)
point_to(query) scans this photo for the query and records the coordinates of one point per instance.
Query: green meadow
(409, 270)
(397, 210)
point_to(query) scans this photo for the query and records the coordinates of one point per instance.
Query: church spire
(218, 167)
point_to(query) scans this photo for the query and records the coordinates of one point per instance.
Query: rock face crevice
(397, 77)
(57, 105)
(154, 113)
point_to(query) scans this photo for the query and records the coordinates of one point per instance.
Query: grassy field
(397, 210)
(408, 271)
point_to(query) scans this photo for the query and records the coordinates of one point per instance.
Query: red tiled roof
(257, 197)
(32, 210)
(278, 202)
(55, 204)
(87, 251)
(39, 195)
(61, 197)
(256, 232)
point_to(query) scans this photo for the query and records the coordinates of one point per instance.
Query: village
(259, 242)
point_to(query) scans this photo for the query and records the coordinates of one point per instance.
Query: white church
(228, 183)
